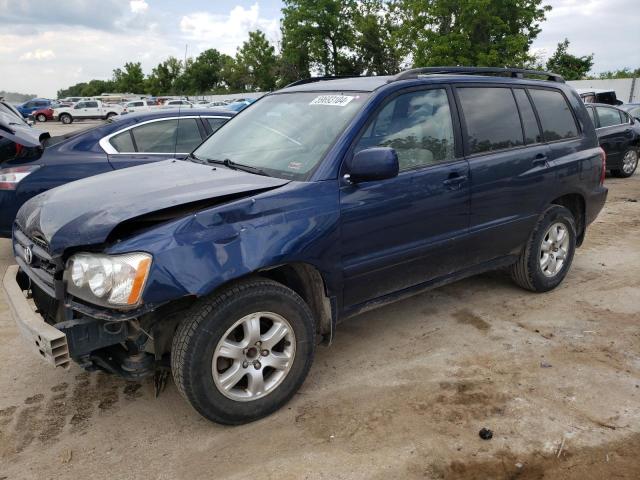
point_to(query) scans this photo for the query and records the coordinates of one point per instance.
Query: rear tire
(224, 359)
(66, 118)
(547, 255)
(111, 114)
(629, 164)
(41, 117)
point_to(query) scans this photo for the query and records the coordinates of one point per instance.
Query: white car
(89, 109)
(216, 104)
(179, 103)
(138, 106)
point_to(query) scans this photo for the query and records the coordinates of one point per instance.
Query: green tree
(204, 74)
(470, 32)
(376, 31)
(129, 80)
(622, 73)
(259, 63)
(569, 66)
(327, 28)
(164, 76)
(295, 58)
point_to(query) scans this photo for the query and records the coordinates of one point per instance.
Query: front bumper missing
(49, 342)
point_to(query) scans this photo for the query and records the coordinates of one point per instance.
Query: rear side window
(417, 125)
(555, 115)
(156, 137)
(608, 117)
(529, 122)
(491, 117)
(91, 105)
(122, 142)
(216, 123)
(188, 135)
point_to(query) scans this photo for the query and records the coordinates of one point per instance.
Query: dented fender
(194, 255)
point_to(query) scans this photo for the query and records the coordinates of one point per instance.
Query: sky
(46, 45)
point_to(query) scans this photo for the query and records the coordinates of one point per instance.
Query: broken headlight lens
(108, 280)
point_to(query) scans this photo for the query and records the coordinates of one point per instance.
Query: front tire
(547, 256)
(242, 353)
(66, 118)
(629, 164)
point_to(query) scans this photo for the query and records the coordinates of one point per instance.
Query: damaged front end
(94, 298)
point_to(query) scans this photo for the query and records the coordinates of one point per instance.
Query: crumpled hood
(86, 211)
(18, 131)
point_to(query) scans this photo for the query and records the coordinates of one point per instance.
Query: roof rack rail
(319, 79)
(512, 72)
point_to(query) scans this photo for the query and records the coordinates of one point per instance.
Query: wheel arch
(575, 203)
(307, 281)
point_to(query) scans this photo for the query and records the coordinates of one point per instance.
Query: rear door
(404, 231)
(154, 140)
(613, 134)
(508, 160)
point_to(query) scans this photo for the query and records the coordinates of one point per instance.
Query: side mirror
(378, 163)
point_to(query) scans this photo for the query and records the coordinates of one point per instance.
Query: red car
(42, 115)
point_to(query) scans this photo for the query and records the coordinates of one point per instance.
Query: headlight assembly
(113, 281)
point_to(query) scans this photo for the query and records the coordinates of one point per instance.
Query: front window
(286, 135)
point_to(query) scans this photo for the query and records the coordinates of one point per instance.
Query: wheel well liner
(306, 281)
(575, 203)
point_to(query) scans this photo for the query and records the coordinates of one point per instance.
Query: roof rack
(319, 79)
(512, 72)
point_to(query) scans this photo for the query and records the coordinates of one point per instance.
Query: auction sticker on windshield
(333, 100)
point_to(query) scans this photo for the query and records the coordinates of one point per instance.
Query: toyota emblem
(28, 255)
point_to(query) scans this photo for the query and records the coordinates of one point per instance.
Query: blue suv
(27, 108)
(317, 202)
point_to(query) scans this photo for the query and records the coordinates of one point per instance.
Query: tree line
(356, 37)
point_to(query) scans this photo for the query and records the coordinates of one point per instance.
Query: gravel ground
(402, 393)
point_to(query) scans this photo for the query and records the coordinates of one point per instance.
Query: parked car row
(120, 142)
(320, 201)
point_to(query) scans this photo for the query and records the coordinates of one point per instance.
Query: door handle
(540, 160)
(454, 181)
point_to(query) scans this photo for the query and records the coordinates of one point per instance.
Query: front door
(404, 231)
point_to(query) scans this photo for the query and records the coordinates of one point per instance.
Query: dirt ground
(402, 393)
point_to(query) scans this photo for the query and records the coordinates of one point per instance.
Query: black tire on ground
(527, 272)
(66, 118)
(41, 117)
(205, 325)
(620, 173)
(111, 114)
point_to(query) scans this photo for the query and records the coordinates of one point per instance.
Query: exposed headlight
(11, 177)
(108, 280)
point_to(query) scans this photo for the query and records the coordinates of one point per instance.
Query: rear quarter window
(491, 118)
(555, 115)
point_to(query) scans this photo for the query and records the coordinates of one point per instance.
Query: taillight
(603, 158)
(11, 177)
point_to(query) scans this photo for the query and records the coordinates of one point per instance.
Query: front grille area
(32, 255)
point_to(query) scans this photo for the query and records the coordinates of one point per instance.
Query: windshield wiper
(237, 166)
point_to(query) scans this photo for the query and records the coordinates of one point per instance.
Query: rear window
(555, 115)
(491, 117)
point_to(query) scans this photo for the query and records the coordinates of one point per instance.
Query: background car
(138, 106)
(632, 109)
(619, 136)
(45, 114)
(240, 104)
(17, 136)
(178, 103)
(120, 142)
(32, 105)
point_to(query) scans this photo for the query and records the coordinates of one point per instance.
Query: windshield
(285, 135)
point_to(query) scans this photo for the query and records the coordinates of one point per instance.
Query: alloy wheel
(254, 356)
(629, 162)
(554, 249)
